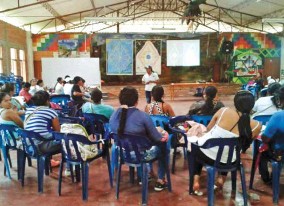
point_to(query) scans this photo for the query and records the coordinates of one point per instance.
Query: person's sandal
(160, 186)
(197, 193)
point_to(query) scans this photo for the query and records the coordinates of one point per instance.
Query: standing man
(150, 79)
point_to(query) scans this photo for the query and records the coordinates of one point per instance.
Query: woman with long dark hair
(130, 120)
(158, 106)
(209, 106)
(227, 123)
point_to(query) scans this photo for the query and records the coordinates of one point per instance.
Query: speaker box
(96, 51)
(227, 47)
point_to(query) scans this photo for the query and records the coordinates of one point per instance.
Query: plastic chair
(176, 135)
(63, 100)
(8, 141)
(70, 120)
(233, 147)
(202, 119)
(77, 160)
(255, 145)
(30, 140)
(132, 152)
(160, 121)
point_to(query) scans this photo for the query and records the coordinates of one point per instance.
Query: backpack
(87, 151)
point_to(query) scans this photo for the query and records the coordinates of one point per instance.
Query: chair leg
(6, 164)
(60, 177)
(244, 189)
(174, 160)
(118, 180)
(254, 165)
(29, 161)
(9, 157)
(47, 166)
(23, 167)
(114, 159)
(109, 168)
(190, 172)
(275, 181)
(210, 184)
(144, 184)
(77, 173)
(40, 171)
(85, 179)
(19, 161)
(131, 174)
(234, 180)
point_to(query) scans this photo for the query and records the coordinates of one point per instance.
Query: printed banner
(148, 53)
(119, 56)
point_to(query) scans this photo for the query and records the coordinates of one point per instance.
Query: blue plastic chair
(233, 145)
(8, 141)
(202, 119)
(132, 152)
(29, 140)
(176, 134)
(160, 120)
(255, 145)
(77, 161)
(70, 120)
(63, 100)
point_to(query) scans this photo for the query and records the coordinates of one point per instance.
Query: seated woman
(25, 93)
(97, 107)
(224, 124)
(7, 114)
(209, 106)
(267, 105)
(273, 138)
(158, 106)
(76, 93)
(58, 88)
(9, 88)
(130, 120)
(43, 120)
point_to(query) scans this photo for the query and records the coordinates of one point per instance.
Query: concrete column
(30, 56)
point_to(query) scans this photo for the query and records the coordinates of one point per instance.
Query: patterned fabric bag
(87, 151)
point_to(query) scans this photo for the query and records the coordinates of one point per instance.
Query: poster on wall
(248, 64)
(67, 47)
(148, 53)
(119, 56)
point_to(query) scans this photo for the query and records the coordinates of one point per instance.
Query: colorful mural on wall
(49, 42)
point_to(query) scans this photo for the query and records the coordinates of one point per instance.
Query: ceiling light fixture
(163, 28)
(107, 19)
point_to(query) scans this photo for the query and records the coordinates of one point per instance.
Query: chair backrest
(30, 141)
(160, 120)
(70, 120)
(132, 147)
(61, 99)
(202, 119)
(262, 118)
(179, 119)
(8, 135)
(96, 124)
(230, 144)
(70, 145)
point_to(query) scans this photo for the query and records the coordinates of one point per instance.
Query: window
(14, 56)
(22, 63)
(1, 59)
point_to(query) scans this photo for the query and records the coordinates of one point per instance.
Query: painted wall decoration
(49, 42)
(247, 64)
(67, 47)
(119, 56)
(148, 53)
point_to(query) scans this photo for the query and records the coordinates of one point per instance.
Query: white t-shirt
(59, 89)
(264, 106)
(152, 77)
(33, 90)
(67, 88)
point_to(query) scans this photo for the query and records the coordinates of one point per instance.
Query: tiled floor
(100, 193)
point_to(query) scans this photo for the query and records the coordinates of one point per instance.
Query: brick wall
(12, 37)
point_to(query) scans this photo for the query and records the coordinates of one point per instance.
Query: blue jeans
(148, 96)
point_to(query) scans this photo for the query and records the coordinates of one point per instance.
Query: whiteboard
(87, 68)
(183, 52)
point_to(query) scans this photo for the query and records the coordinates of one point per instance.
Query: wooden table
(176, 86)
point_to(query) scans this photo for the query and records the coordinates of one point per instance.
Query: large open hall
(141, 102)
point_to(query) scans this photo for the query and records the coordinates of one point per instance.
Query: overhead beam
(24, 6)
(50, 9)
